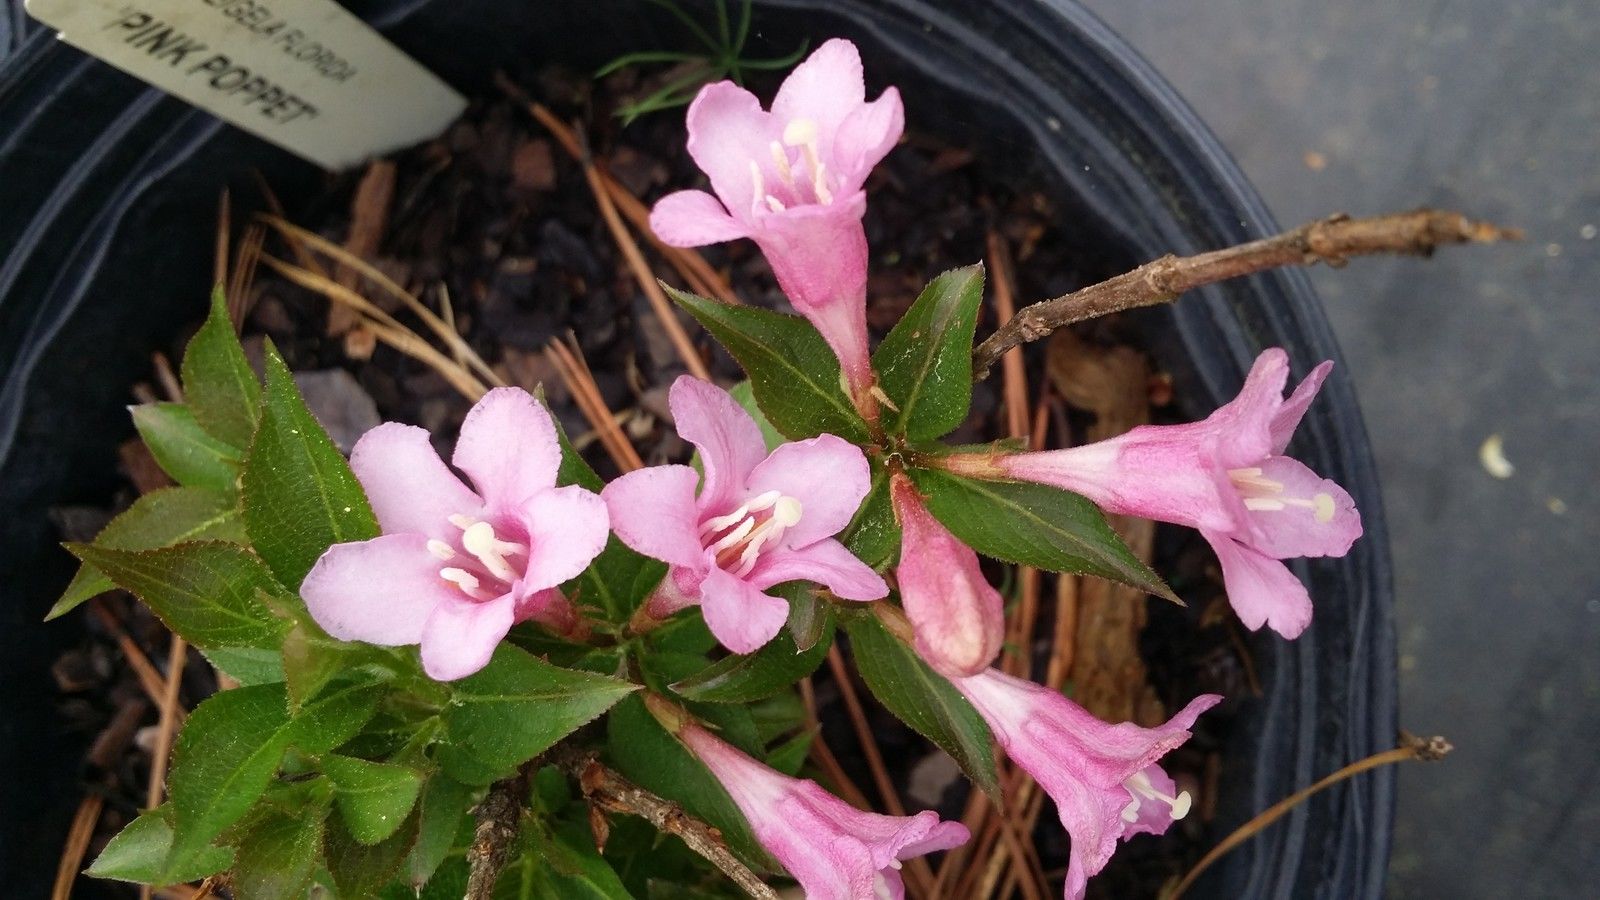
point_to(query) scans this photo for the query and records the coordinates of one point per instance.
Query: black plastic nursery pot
(108, 191)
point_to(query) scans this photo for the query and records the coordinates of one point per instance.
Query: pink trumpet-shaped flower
(759, 519)
(958, 619)
(455, 567)
(1103, 778)
(835, 851)
(790, 179)
(1227, 477)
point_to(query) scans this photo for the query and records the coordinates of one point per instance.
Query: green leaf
(810, 619)
(247, 665)
(574, 869)
(644, 752)
(204, 591)
(773, 668)
(1034, 525)
(142, 853)
(925, 363)
(184, 450)
(300, 496)
(793, 373)
(311, 659)
(360, 870)
(281, 841)
(222, 763)
(218, 383)
(515, 708)
(874, 535)
(374, 798)
(337, 714)
(922, 698)
(790, 755)
(440, 818)
(160, 518)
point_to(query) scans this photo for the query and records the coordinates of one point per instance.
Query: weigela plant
(406, 634)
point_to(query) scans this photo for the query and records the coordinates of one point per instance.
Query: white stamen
(1263, 504)
(1140, 788)
(1252, 478)
(440, 549)
(466, 581)
(780, 158)
(754, 504)
(786, 511)
(758, 184)
(774, 204)
(800, 132)
(480, 541)
(735, 536)
(462, 522)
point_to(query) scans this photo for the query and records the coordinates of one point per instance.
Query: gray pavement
(1493, 108)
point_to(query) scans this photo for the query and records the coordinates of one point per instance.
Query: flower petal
(866, 136)
(826, 88)
(729, 441)
(1326, 527)
(693, 219)
(410, 488)
(741, 617)
(1288, 416)
(508, 447)
(957, 617)
(1261, 589)
(728, 130)
(827, 474)
(379, 591)
(461, 635)
(567, 529)
(1243, 426)
(826, 562)
(653, 512)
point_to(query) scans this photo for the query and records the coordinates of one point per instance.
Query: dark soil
(496, 216)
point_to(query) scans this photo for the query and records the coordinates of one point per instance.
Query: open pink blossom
(1103, 778)
(758, 519)
(791, 179)
(957, 618)
(835, 851)
(1226, 476)
(455, 567)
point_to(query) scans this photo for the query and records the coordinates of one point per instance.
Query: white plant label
(304, 74)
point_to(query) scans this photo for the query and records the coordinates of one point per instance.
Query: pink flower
(1227, 477)
(455, 567)
(791, 180)
(835, 851)
(759, 519)
(958, 619)
(1103, 778)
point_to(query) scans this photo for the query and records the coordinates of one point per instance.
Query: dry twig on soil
(1332, 240)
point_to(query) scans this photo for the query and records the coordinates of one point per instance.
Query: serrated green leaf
(925, 362)
(204, 591)
(775, 667)
(790, 755)
(874, 535)
(280, 842)
(515, 708)
(793, 373)
(1034, 525)
(160, 518)
(373, 798)
(184, 450)
(300, 496)
(247, 665)
(218, 383)
(809, 618)
(222, 762)
(311, 659)
(922, 698)
(644, 752)
(360, 870)
(337, 713)
(142, 853)
(574, 869)
(441, 814)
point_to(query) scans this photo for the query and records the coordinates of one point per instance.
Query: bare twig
(167, 725)
(574, 371)
(1332, 240)
(1430, 749)
(499, 819)
(149, 679)
(611, 792)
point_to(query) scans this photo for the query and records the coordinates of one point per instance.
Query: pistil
(1140, 787)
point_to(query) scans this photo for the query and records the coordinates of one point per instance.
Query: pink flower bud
(958, 619)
